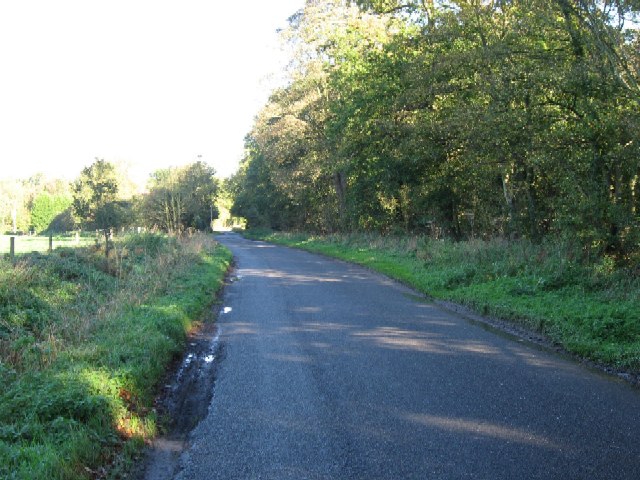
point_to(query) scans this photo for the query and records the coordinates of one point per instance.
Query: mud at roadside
(184, 401)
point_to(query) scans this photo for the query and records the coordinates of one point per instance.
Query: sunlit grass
(84, 342)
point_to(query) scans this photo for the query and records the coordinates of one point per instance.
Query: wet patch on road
(184, 400)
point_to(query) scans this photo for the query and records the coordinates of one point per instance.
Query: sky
(147, 83)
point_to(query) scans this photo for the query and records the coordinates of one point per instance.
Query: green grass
(40, 243)
(591, 307)
(84, 343)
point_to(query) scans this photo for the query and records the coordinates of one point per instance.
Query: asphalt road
(330, 371)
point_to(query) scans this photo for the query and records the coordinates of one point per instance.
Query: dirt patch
(184, 401)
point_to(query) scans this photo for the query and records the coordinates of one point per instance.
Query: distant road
(330, 371)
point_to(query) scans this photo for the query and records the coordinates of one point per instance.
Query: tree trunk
(340, 184)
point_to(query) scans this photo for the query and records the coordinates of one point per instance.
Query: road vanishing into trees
(330, 371)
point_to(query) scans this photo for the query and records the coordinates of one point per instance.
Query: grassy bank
(589, 306)
(83, 344)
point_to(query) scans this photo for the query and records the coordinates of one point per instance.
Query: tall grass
(589, 305)
(84, 341)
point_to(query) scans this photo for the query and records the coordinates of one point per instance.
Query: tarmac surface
(325, 370)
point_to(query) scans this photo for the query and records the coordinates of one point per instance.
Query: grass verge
(591, 307)
(85, 341)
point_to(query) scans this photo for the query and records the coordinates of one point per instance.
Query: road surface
(329, 371)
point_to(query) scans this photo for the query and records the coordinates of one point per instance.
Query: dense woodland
(517, 119)
(103, 198)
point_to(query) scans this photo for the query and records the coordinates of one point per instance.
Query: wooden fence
(14, 245)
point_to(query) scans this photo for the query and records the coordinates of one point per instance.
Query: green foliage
(224, 202)
(115, 214)
(96, 203)
(181, 198)
(95, 192)
(17, 198)
(63, 222)
(83, 343)
(457, 119)
(46, 208)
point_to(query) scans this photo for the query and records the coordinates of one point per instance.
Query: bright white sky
(153, 83)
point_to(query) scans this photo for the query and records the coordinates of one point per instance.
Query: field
(37, 243)
(588, 306)
(84, 342)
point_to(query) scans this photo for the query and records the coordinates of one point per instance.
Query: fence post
(12, 248)
(107, 236)
(50, 242)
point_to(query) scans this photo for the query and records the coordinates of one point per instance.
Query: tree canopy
(180, 198)
(46, 208)
(96, 203)
(465, 118)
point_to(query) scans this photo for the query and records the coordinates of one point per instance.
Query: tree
(18, 198)
(256, 197)
(181, 198)
(289, 154)
(46, 207)
(420, 115)
(96, 187)
(12, 206)
(95, 200)
(200, 188)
